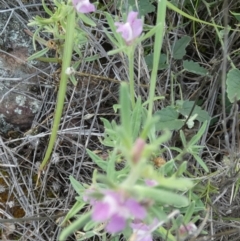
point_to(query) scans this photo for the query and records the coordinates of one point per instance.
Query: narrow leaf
(38, 54)
(76, 225)
(78, 187)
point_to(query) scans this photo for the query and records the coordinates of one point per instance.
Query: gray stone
(18, 106)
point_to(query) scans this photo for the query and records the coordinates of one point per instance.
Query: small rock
(17, 107)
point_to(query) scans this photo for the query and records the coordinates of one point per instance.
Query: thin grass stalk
(161, 13)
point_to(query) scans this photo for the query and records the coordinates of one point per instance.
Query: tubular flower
(116, 208)
(131, 29)
(83, 6)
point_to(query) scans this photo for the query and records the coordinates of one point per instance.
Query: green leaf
(199, 134)
(162, 62)
(190, 210)
(185, 107)
(175, 183)
(111, 171)
(143, 6)
(168, 119)
(201, 162)
(85, 236)
(163, 196)
(167, 168)
(136, 119)
(110, 134)
(38, 54)
(233, 85)
(91, 58)
(46, 9)
(236, 15)
(125, 113)
(194, 67)
(101, 163)
(179, 49)
(158, 213)
(73, 211)
(89, 226)
(78, 187)
(165, 233)
(73, 80)
(87, 20)
(76, 225)
(181, 169)
(117, 40)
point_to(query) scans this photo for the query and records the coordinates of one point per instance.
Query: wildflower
(131, 29)
(116, 208)
(83, 6)
(142, 231)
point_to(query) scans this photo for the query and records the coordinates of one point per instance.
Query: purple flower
(83, 6)
(131, 29)
(116, 208)
(142, 231)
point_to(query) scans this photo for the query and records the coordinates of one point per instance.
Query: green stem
(131, 75)
(177, 10)
(67, 55)
(161, 12)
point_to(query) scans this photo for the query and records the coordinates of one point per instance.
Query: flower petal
(132, 16)
(83, 6)
(137, 27)
(101, 212)
(135, 208)
(131, 29)
(126, 31)
(142, 231)
(116, 224)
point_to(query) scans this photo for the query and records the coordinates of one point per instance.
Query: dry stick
(224, 69)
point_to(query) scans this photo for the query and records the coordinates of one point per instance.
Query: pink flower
(142, 231)
(116, 208)
(131, 29)
(83, 6)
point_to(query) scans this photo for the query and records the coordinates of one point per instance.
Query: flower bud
(138, 150)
